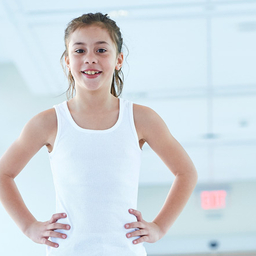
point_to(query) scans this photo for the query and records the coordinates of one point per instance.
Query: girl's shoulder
(35, 134)
(147, 121)
(144, 116)
(48, 120)
(43, 125)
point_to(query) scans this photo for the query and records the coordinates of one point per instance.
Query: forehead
(90, 35)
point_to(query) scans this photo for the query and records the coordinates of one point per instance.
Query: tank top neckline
(76, 126)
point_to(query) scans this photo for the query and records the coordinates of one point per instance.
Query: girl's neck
(93, 103)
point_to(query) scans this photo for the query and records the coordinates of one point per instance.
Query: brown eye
(103, 50)
(79, 50)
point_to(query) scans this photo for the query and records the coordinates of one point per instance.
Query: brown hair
(102, 21)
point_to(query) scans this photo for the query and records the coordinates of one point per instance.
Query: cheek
(76, 64)
(112, 63)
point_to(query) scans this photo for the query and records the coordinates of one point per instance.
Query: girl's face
(91, 48)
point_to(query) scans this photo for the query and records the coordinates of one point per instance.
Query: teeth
(91, 72)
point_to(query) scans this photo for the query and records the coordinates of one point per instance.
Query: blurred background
(194, 63)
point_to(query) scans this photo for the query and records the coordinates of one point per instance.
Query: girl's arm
(156, 133)
(33, 137)
(159, 138)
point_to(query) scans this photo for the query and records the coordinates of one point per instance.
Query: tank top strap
(61, 123)
(128, 122)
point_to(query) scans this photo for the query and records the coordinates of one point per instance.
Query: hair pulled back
(104, 22)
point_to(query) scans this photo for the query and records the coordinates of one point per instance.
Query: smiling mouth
(91, 72)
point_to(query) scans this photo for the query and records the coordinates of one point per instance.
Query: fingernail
(131, 210)
(63, 214)
(127, 226)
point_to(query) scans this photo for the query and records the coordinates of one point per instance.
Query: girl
(95, 143)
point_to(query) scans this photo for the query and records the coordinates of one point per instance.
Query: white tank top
(96, 175)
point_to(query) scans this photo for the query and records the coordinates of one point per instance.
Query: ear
(67, 62)
(120, 59)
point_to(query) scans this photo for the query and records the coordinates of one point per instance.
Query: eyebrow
(81, 43)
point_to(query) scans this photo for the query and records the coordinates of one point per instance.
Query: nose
(90, 57)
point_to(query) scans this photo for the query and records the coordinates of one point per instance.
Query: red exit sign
(215, 199)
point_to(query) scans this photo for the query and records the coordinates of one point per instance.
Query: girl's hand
(149, 231)
(39, 232)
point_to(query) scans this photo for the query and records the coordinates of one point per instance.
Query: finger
(139, 232)
(54, 226)
(54, 234)
(57, 216)
(140, 240)
(135, 225)
(136, 213)
(49, 243)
